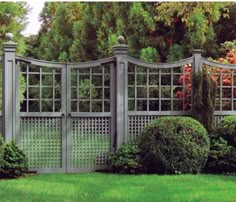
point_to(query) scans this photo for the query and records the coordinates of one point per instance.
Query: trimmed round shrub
(227, 129)
(174, 145)
(126, 159)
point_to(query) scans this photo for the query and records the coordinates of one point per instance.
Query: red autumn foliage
(185, 80)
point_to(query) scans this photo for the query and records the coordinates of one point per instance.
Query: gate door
(41, 114)
(66, 116)
(90, 122)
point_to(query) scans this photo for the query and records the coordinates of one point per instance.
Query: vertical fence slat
(159, 91)
(113, 104)
(90, 89)
(27, 88)
(77, 89)
(53, 90)
(172, 89)
(103, 89)
(147, 84)
(220, 90)
(40, 89)
(135, 88)
(232, 90)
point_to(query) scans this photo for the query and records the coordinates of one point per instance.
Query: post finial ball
(9, 36)
(121, 40)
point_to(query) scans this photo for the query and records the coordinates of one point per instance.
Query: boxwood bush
(14, 161)
(174, 145)
(227, 129)
(126, 159)
(222, 156)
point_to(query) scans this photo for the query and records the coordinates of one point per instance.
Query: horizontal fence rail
(160, 65)
(44, 63)
(216, 64)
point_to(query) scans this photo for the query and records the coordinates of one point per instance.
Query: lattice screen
(226, 87)
(41, 140)
(91, 141)
(90, 89)
(152, 89)
(42, 90)
(137, 124)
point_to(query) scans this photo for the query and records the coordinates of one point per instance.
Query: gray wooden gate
(70, 114)
(65, 118)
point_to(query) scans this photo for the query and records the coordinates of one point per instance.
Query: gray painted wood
(63, 116)
(17, 94)
(159, 65)
(113, 105)
(216, 64)
(9, 89)
(68, 119)
(121, 51)
(41, 114)
(197, 62)
(160, 113)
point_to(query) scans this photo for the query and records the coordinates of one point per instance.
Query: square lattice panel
(41, 141)
(90, 141)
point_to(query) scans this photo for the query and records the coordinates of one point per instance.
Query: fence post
(120, 51)
(9, 88)
(197, 63)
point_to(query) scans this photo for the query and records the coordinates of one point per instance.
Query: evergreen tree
(13, 19)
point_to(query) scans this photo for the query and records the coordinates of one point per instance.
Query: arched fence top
(95, 63)
(160, 65)
(44, 63)
(216, 64)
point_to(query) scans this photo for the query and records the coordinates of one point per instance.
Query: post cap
(120, 48)
(9, 36)
(199, 51)
(9, 45)
(121, 40)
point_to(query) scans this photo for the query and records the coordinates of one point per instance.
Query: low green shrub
(14, 161)
(126, 159)
(227, 129)
(174, 145)
(222, 156)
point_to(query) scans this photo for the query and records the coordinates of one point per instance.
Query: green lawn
(110, 187)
